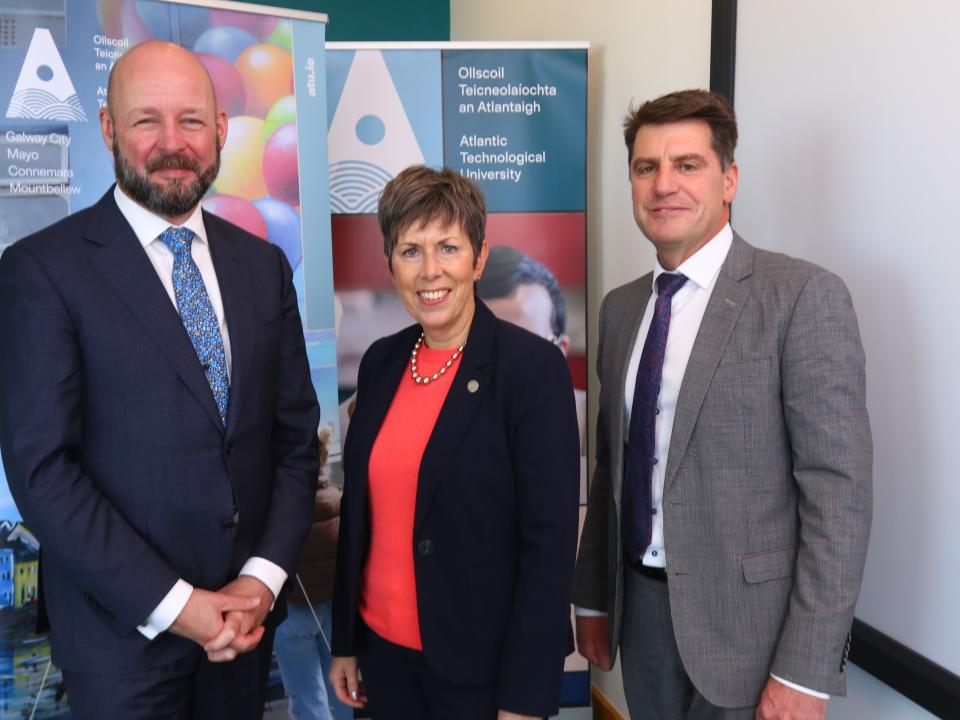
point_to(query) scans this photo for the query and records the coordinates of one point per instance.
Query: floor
(867, 697)
(278, 711)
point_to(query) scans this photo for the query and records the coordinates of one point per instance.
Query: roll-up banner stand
(510, 116)
(267, 66)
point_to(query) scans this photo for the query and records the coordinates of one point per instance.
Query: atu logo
(370, 138)
(44, 90)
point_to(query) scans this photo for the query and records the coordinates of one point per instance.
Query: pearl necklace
(421, 380)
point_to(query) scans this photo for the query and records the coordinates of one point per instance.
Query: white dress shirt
(147, 227)
(686, 313)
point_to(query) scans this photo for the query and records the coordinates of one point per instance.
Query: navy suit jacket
(112, 444)
(495, 525)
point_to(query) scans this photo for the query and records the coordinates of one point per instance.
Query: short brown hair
(711, 107)
(420, 195)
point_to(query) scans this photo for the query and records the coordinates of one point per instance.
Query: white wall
(849, 157)
(639, 49)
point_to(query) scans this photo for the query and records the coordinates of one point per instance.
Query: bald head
(163, 127)
(146, 61)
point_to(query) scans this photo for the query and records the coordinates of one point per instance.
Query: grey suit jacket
(767, 492)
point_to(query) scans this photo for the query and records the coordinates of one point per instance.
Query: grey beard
(177, 198)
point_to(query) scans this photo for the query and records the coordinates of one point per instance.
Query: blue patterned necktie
(639, 458)
(196, 313)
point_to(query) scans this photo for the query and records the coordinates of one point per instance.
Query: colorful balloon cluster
(250, 63)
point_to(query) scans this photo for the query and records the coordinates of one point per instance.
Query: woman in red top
(459, 514)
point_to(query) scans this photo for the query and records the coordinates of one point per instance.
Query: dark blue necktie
(196, 313)
(637, 515)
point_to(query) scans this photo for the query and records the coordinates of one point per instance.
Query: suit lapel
(723, 310)
(623, 348)
(125, 267)
(458, 409)
(233, 276)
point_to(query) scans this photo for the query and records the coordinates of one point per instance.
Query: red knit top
(388, 593)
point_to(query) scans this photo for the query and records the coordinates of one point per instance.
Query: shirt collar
(702, 267)
(147, 226)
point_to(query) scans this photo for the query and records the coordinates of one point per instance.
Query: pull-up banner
(267, 67)
(511, 117)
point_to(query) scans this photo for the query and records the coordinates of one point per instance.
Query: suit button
(425, 547)
(229, 448)
(229, 524)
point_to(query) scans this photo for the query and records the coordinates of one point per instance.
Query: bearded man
(157, 417)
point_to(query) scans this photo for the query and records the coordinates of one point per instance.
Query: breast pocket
(751, 371)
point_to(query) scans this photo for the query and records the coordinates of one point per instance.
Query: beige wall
(639, 49)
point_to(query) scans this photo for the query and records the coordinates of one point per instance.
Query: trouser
(654, 682)
(303, 653)
(191, 688)
(400, 686)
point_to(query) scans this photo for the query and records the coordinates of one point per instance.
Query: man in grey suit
(729, 512)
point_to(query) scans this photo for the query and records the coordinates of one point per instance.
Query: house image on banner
(19, 566)
(7, 570)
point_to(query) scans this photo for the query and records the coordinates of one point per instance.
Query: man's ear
(731, 178)
(221, 124)
(106, 128)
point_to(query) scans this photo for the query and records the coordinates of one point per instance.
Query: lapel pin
(730, 302)
(473, 386)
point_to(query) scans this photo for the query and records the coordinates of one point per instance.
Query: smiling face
(434, 270)
(681, 193)
(163, 128)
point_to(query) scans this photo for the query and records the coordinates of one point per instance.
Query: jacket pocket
(745, 370)
(771, 565)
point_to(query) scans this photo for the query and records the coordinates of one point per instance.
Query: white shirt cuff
(587, 612)
(800, 688)
(270, 574)
(167, 611)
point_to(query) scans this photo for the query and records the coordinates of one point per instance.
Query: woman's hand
(345, 681)
(504, 715)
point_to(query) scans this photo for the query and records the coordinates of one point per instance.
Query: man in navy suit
(158, 422)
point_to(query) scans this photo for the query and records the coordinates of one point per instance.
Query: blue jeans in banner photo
(304, 659)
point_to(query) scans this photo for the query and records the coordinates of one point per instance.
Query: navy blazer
(495, 525)
(112, 444)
